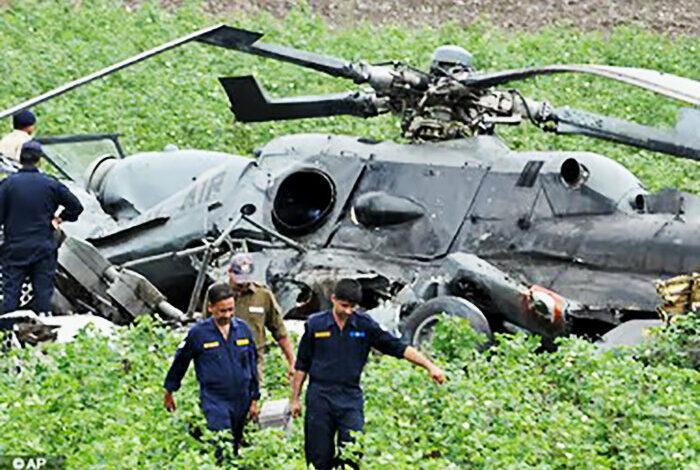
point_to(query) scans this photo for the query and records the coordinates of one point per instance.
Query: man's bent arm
(416, 357)
(72, 207)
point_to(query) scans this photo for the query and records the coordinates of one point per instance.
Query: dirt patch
(667, 16)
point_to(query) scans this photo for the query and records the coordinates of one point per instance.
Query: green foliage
(99, 402)
(677, 343)
(454, 340)
(176, 98)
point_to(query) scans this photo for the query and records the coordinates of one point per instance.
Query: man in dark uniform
(224, 359)
(256, 305)
(28, 203)
(333, 351)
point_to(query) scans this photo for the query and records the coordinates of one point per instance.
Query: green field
(98, 401)
(176, 98)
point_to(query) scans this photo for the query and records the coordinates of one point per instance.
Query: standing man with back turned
(24, 124)
(28, 203)
(333, 351)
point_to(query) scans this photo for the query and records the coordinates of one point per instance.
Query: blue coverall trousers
(226, 415)
(331, 410)
(41, 274)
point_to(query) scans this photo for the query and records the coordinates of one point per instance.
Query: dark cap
(23, 119)
(31, 153)
(242, 267)
(348, 290)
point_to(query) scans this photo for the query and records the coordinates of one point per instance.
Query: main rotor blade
(575, 121)
(108, 70)
(680, 88)
(249, 103)
(247, 41)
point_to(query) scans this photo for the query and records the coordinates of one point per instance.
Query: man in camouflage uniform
(256, 305)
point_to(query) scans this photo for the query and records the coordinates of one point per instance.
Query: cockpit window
(73, 154)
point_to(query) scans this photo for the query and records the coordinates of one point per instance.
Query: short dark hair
(30, 156)
(219, 292)
(348, 290)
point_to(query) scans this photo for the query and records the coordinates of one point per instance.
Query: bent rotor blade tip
(230, 37)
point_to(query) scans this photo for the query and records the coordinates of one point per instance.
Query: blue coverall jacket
(226, 371)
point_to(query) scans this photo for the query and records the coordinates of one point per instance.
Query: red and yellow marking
(553, 301)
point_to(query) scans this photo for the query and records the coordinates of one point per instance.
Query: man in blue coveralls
(224, 359)
(333, 351)
(28, 203)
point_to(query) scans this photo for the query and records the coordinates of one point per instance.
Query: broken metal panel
(124, 293)
(177, 221)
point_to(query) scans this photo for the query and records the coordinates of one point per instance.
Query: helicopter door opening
(303, 201)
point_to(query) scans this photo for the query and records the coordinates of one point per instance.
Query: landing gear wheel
(420, 323)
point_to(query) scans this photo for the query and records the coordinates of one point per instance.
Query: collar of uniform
(330, 320)
(29, 169)
(352, 321)
(234, 322)
(249, 289)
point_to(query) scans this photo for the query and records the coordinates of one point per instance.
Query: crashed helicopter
(550, 242)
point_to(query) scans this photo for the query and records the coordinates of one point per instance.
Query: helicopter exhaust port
(573, 174)
(303, 201)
